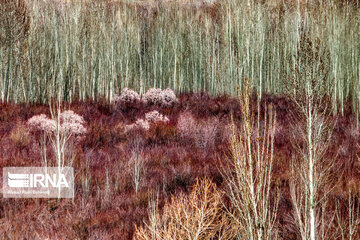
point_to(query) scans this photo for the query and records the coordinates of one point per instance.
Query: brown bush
(20, 136)
(197, 216)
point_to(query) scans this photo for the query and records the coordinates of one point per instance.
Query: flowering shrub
(41, 123)
(71, 116)
(127, 98)
(139, 124)
(153, 96)
(72, 123)
(169, 97)
(143, 124)
(155, 116)
(171, 165)
(150, 118)
(158, 97)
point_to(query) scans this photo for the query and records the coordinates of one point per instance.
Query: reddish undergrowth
(106, 205)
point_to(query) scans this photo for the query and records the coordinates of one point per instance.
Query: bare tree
(138, 168)
(137, 162)
(309, 185)
(348, 226)
(249, 185)
(59, 139)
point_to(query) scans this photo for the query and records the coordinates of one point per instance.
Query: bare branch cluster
(249, 185)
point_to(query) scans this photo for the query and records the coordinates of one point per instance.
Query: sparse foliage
(201, 133)
(348, 221)
(310, 184)
(137, 162)
(197, 216)
(249, 185)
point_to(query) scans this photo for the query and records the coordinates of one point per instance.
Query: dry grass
(20, 136)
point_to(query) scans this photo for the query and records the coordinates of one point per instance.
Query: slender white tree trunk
(312, 189)
(312, 193)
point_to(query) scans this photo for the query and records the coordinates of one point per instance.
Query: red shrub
(105, 204)
(203, 134)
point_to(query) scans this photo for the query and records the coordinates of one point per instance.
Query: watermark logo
(38, 182)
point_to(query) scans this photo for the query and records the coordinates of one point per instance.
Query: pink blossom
(127, 98)
(139, 124)
(71, 117)
(72, 123)
(73, 128)
(169, 97)
(155, 116)
(153, 96)
(143, 124)
(156, 96)
(150, 117)
(41, 123)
